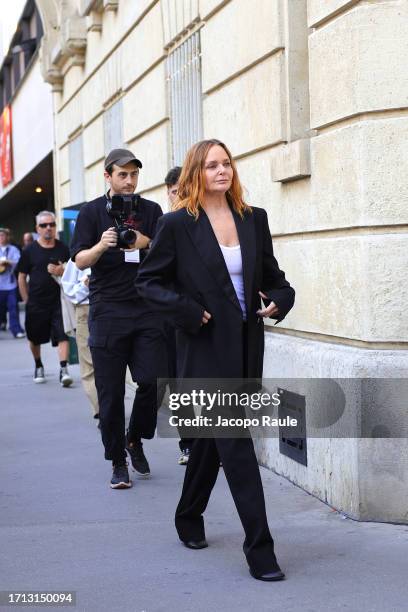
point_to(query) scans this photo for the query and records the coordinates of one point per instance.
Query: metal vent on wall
(293, 405)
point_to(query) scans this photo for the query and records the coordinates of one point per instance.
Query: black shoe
(196, 544)
(268, 576)
(120, 477)
(137, 458)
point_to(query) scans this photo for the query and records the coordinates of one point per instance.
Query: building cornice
(64, 41)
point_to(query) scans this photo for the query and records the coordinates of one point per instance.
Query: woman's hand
(206, 317)
(270, 311)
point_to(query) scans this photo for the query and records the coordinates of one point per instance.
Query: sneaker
(65, 378)
(137, 458)
(39, 376)
(184, 457)
(3, 326)
(20, 335)
(120, 477)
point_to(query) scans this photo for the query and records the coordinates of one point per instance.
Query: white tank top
(233, 261)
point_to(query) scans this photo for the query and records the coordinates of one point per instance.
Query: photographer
(110, 236)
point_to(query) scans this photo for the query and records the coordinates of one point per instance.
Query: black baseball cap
(121, 157)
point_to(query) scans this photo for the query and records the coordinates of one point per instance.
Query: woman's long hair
(191, 188)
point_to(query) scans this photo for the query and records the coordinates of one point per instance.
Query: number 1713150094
(27, 598)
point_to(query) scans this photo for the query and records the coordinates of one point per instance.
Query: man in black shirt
(41, 261)
(122, 330)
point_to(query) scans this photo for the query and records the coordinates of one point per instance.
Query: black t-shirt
(112, 278)
(42, 288)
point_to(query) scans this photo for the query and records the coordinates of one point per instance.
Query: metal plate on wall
(293, 405)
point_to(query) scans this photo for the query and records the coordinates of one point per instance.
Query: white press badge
(132, 256)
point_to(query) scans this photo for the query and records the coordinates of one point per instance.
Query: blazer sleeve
(156, 279)
(274, 283)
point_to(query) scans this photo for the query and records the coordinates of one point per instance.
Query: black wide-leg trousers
(244, 480)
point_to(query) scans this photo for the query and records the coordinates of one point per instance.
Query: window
(76, 171)
(113, 127)
(184, 87)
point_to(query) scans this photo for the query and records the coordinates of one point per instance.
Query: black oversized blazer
(185, 273)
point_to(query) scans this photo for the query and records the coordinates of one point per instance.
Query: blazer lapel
(204, 240)
(247, 240)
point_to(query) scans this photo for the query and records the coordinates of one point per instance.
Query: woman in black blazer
(208, 267)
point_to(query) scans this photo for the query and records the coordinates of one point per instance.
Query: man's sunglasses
(43, 225)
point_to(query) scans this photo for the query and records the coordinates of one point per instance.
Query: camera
(123, 210)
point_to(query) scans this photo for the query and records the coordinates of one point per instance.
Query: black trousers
(170, 336)
(244, 480)
(143, 418)
(116, 344)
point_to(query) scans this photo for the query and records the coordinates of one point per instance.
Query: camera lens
(127, 236)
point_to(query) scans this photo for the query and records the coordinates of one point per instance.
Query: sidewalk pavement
(62, 528)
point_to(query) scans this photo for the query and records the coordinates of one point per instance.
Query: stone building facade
(312, 98)
(27, 151)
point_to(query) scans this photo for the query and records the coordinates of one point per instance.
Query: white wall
(32, 124)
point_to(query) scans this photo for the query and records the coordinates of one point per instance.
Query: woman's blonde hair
(191, 185)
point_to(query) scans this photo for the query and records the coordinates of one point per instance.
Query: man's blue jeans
(8, 302)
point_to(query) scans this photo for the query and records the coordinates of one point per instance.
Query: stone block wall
(312, 99)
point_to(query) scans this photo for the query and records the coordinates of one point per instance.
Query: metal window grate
(293, 405)
(184, 87)
(113, 127)
(76, 171)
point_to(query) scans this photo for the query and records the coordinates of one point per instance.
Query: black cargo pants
(115, 343)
